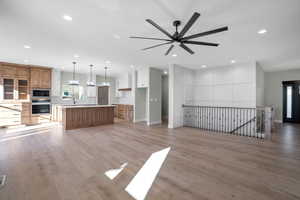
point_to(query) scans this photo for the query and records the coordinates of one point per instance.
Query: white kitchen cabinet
(143, 78)
(124, 82)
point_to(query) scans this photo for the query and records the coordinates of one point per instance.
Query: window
(68, 91)
(289, 104)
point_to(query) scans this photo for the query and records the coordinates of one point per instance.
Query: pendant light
(73, 81)
(90, 82)
(105, 83)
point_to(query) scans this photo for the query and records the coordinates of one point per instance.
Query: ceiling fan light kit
(179, 37)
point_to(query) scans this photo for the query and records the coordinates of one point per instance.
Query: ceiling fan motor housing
(177, 23)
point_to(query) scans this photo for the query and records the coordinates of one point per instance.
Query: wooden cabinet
(22, 73)
(14, 89)
(143, 78)
(34, 78)
(40, 78)
(124, 111)
(7, 71)
(45, 79)
(8, 88)
(26, 113)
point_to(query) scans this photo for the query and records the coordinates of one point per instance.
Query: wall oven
(41, 106)
(40, 93)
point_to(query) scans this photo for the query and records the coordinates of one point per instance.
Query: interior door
(291, 101)
(103, 95)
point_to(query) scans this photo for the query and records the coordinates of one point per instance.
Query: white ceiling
(96, 23)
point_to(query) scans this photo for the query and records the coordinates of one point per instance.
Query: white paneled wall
(228, 86)
(225, 86)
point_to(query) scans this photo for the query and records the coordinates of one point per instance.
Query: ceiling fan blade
(189, 24)
(205, 33)
(157, 45)
(148, 38)
(169, 50)
(186, 48)
(201, 43)
(159, 28)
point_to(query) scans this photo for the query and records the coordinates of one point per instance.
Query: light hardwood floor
(47, 164)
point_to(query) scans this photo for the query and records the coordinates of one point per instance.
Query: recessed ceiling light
(67, 18)
(165, 72)
(76, 56)
(27, 46)
(203, 66)
(233, 61)
(116, 36)
(174, 55)
(262, 31)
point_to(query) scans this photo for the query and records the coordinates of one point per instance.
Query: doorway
(291, 101)
(165, 98)
(103, 92)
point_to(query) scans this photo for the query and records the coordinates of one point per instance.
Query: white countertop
(84, 106)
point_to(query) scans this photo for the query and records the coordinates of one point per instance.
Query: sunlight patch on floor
(112, 173)
(142, 182)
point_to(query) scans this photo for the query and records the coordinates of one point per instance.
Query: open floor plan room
(149, 100)
(200, 165)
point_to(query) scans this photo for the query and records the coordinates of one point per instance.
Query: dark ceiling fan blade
(189, 24)
(201, 43)
(149, 38)
(157, 45)
(159, 28)
(205, 33)
(186, 48)
(169, 50)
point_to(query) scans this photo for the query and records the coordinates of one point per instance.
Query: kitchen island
(83, 116)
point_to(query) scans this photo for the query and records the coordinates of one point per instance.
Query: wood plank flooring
(47, 164)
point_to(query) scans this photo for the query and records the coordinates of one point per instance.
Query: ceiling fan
(180, 37)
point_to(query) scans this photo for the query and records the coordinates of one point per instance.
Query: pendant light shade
(73, 81)
(105, 83)
(90, 82)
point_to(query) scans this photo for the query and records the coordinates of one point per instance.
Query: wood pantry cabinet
(16, 82)
(40, 78)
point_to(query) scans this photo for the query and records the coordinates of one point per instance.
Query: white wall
(230, 86)
(155, 91)
(273, 88)
(260, 85)
(180, 92)
(89, 93)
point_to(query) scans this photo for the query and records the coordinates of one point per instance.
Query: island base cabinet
(74, 118)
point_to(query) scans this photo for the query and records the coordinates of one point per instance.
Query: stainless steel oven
(40, 93)
(41, 106)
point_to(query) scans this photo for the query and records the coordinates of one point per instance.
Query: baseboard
(139, 120)
(153, 123)
(278, 121)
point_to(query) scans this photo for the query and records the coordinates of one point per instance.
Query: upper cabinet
(143, 77)
(14, 82)
(124, 82)
(40, 78)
